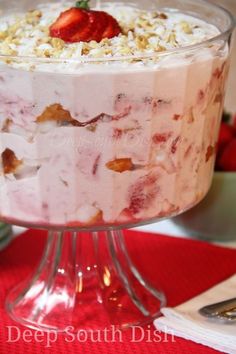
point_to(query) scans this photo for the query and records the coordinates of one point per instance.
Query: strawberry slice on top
(80, 24)
(68, 23)
(112, 29)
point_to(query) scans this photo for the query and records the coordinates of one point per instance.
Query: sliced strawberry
(226, 135)
(100, 26)
(86, 34)
(83, 25)
(102, 21)
(68, 23)
(112, 29)
(227, 161)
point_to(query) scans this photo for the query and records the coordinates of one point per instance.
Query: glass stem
(85, 280)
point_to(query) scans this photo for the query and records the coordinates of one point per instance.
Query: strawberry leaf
(82, 4)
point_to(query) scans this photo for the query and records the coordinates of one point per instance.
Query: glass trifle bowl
(98, 136)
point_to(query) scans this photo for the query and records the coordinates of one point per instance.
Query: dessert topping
(56, 31)
(80, 24)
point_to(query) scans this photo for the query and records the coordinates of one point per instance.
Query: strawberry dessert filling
(97, 125)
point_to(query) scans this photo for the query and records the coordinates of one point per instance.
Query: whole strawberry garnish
(234, 123)
(80, 24)
(226, 135)
(227, 160)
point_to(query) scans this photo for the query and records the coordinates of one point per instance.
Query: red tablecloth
(183, 269)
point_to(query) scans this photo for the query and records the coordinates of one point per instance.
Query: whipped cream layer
(109, 144)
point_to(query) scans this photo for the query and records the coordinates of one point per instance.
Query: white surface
(167, 227)
(185, 321)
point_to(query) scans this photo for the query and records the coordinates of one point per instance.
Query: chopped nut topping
(57, 43)
(160, 48)
(7, 50)
(141, 42)
(85, 49)
(33, 17)
(10, 162)
(3, 35)
(186, 27)
(120, 165)
(162, 16)
(142, 32)
(172, 39)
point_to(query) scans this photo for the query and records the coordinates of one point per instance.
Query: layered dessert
(108, 115)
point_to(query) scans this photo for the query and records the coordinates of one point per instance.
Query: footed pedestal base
(85, 281)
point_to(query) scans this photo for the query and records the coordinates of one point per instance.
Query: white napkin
(185, 321)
